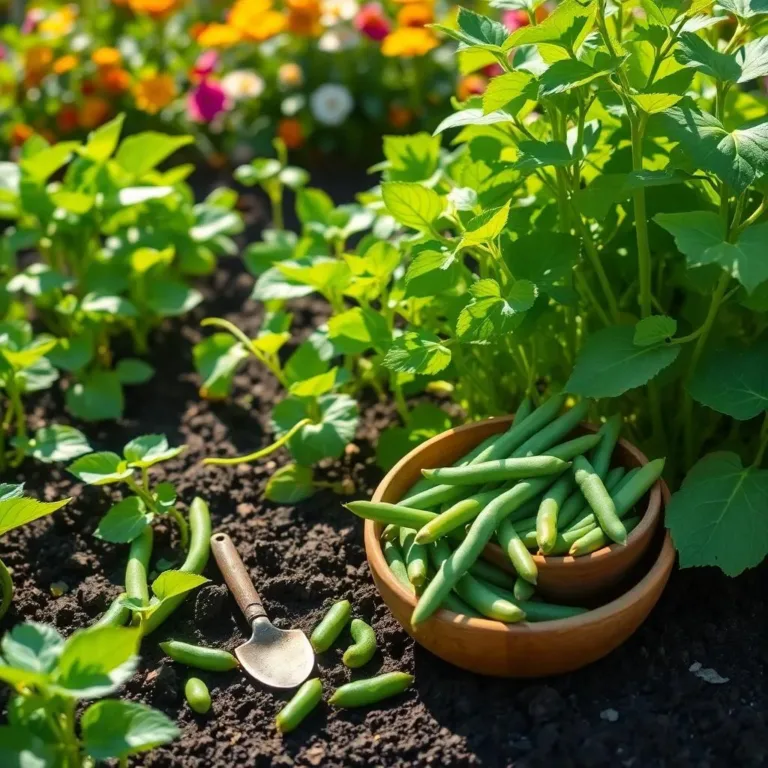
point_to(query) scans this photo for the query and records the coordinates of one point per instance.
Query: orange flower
(409, 41)
(65, 64)
(219, 36)
(415, 15)
(106, 57)
(37, 62)
(20, 133)
(290, 131)
(290, 75)
(67, 118)
(93, 112)
(471, 85)
(196, 29)
(158, 9)
(255, 19)
(304, 18)
(399, 117)
(153, 92)
(114, 80)
(59, 23)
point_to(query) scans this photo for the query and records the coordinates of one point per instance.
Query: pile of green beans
(532, 490)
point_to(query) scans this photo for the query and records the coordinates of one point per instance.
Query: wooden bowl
(526, 649)
(568, 580)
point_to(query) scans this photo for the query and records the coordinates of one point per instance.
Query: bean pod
(361, 651)
(326, 632)
(197, 695)
(362, 693)
(303, 702)
(211, 659)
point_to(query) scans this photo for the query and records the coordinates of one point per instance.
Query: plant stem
(183, 527)
(763, 443)
(261, 453)
(641, 221)
(6, 588)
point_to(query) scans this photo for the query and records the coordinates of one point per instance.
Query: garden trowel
(276, 657)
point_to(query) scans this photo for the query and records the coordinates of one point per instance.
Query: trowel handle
(236, 575)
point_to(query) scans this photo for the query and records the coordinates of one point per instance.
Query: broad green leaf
(33, 647)
(718, 515)
(492, 314)
(41, 166)
(508, 90)
(753, 60)
(412, 205)
(290, 484)
(172, 583)
(273, 285)
(313, 206)
(695, 52)
(544, 258)
(432, 272)
(212, 222)
(271, 343)
(653, 103)
(316, 385)
(147, 450)
(96, 661)
(131, 370)
(136, 195)
(21, 748)
(171, 298)
(733, 381)
(103, 141)
(258, 171)
(610, 364)
(411, 158)
(100, 304)
(540, 154)
(276, 246)
(359, 329)
(564, 75)
(118, 729)
(72, 354)
(473, 117)
(143, 152)
(473, 29)
(100, 468)
(485, 227)
(29, 355)
(16, 512)
(745, 9)
(310, 358)
(216, 360)
(38, 280)
(567, 27)
(96, 397)
(327, 276)
(654, 329)
(124, 521)
(165, 495)
(418, 352)
(59, 442)
(737, 156)
(322, 439)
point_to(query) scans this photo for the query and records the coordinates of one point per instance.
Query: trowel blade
(276, 657)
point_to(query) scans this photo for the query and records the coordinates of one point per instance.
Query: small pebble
(707, 674)
(611, 715)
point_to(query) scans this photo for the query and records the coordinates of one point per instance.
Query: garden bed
(640, 706)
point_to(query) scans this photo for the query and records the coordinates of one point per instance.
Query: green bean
(613, 484)
(394, 558)
(303, 702)
(326, 632)
(485, 524)
(555, 431)
(115, 616)
(480, 596)
(415, 557)
(597, 539)
(635, 488)
(498, 471)
(460, 513)
(516, 551)
(361, 651)
(361, 693)
(212, 659)
(562, 542)
(523, 589)
(599, 499)
(524, 410)
(197, 695)
(601, 456)
(195, 562)
(546, 517)
(491, 573)
(538, 611)
(455, 604)
(390, 514)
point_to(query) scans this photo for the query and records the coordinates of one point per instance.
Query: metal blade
(276, 657)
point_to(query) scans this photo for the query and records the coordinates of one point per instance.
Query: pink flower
(513, 20)
(32, 18)
(372, 22)
(206, 101)
(205, 64)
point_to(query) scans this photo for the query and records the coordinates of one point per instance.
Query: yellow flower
(290, 75)
(65, 64)
(415, 15)
(155, 8)
(37, 62)
(255, 19)
(409, 41)
(304, 17)
(153, 92)
(219, 36)
(60, 22)
(106, 57)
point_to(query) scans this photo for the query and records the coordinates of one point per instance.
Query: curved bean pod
(361, 651)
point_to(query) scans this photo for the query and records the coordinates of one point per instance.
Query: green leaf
(541, 154)
(16, 512)
(476, 30)
(566, 27)
(41, 166)
(212, 222)
(564, 75)
(653, 103)
(124, 521)
(737, 156)
(718, 515)
(327, 276)
(418, 352)
(610, 364)
(258, 171)
(171, 298)
(359, 329)
(100, 468)
(654, 329)
(544, 258)
(322, 439)
(310, 358)
(316, 385)
(30, 354)
(510, 90)
(143, 152)
(411, 158)
(118, 729)
(129, 196)
(165, 495)
(696, 53)
(426, 420)
(131, 370)
(733, 381)
(96, 397)
(491, 314)
(216, 361)
(100, 304)
(412, 205)
(97, 661)
(273, 285)
(745, 9)
(172, 583)
(753, 60)
(20, 748)
(103, 141)
(313, 206)
(147, 450)
(38, 280)
(59, 442)
(290, 484)
(277, 246)
(473, 117)
(431, 272)
(485, 227)
(72, 354)
(33, 647)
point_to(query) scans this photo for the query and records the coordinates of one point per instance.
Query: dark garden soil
(641, 706)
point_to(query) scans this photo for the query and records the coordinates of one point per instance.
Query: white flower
(334, 11)
(335, 40)
(241, 84)
(331, 104)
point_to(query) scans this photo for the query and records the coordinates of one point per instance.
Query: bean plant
(596, 222)
(119, 241)
(50, 722)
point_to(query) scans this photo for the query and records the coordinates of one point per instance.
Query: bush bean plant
(594, 221)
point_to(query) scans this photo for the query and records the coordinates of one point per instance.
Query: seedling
(49, 676)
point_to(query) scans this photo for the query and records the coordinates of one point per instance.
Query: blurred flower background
(327, 76)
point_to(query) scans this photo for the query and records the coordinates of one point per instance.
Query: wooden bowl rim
(657, 572)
